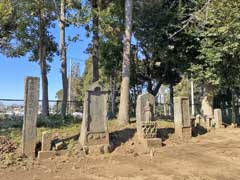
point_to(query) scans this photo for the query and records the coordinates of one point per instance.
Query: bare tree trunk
(63, 59)
(95, 48)
(43, 65)
(234, 112)
(113, 95)
(123, 116)
(171, 101)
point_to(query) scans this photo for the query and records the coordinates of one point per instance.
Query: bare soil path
(213, 156)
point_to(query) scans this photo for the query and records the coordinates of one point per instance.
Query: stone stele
(46, 141)
(182, 118)
(94, 136)
(146, 126)
(30, 116)
(142, 110)
(218, 118)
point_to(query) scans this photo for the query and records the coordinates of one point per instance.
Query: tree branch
(190, 19)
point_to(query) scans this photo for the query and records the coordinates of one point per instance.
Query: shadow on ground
(164, 133)
(121, 136)
(198, 130)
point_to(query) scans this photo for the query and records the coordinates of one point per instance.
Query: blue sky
(13, 70)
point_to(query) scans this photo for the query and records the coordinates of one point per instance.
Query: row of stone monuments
(94, 136)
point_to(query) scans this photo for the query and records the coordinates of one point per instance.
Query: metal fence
(13, 108)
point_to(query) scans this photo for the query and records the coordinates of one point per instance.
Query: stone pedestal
(46, 152)
(218, 121)
(30, 116)
(198, 120)
(46, 141)
(146, 126)
(209, 123)
(153, 142)
(182, 118)
(148, 130)
(94, 136)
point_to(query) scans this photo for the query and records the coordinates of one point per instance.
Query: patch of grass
(14, 134)
(8, 159)
(61, 132)
(165, 123)
(56, 121)
(63, 128)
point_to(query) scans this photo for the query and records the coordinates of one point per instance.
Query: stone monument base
(233, 125)
(186, 134)
(97, 149)
(46, 154)
(152, 142)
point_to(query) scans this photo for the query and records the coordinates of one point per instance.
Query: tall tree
(63, 58)
(72, 13)
(162, 57)
(42, 58)
(123, 115)
(217, 28)
(95, 41)
(32, 37)
(112, 30)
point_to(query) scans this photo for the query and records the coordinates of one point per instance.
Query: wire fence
(14, 108)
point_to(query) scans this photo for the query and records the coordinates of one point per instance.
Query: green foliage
(162, 56)
(217, 28)
(8, 24)
(24, 38)
(56, 121)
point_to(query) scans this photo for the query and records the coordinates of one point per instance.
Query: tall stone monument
(30, 116)
(146, 125)
(218, 121)
(94, 136)
(182, 118)
(141, 109)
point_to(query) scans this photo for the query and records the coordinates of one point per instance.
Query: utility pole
(192, 98)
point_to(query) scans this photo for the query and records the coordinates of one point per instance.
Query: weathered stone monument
(94, 136)
(30, 116)
(46, 146)
(182, 122)
(142, 100)
(146, 126)
(218, 121)
(46, 141)
(207, 106)
(207, 110)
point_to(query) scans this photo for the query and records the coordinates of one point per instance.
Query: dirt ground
(212, 156)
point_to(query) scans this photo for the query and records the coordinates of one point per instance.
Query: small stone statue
(148, 112)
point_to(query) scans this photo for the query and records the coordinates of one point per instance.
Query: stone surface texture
(31, 98)
(145, 111)
(182, 118)
(46, 154)
(146, 124)
(218, 121)
(94, 130)
(207, 107)
(46, 141)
